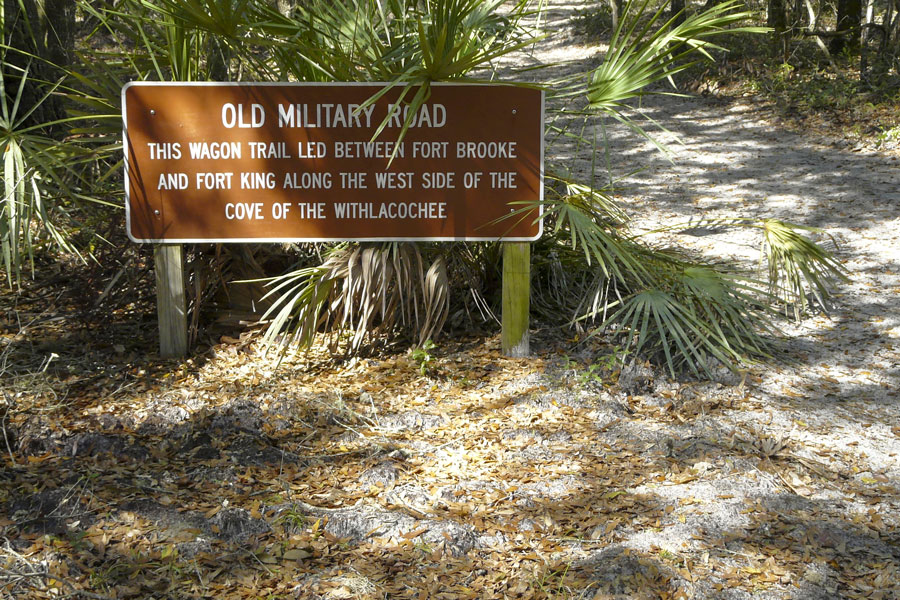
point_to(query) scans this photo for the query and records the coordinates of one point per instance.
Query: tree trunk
(813, 27)
(777, 20)
(616, 7)
(21, 28)
(892, 29)
(58, 30)
(40, 35)
(849, 20)
(676, 10)
(21, 35)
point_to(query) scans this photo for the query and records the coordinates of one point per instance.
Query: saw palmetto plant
(590, 271)
(798, 269)
(690, 314)
(38, 173)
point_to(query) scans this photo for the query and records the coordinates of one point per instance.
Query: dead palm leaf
(359, 294)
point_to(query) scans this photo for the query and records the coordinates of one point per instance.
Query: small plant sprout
(422, 356)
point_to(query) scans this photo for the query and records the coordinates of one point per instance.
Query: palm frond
(797, 267)
(640, 56)
(696, 319)
(35, 168)
(360, 293)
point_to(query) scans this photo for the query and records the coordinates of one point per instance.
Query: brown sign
(299, 162)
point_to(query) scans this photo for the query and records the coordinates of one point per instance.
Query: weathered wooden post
(516, 297)
(171, 304)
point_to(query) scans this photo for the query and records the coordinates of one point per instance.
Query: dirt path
(733, 162)
(728, 159)
(488, 477)
(839, 403)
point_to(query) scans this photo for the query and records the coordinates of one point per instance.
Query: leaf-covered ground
(484, 477)
(463, 474)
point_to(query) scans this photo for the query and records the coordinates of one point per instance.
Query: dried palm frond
(358, 294)
(473, 272)
(436, 300)
(770, 446)
(799, 270)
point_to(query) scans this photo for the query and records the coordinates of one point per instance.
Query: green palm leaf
(798, 267)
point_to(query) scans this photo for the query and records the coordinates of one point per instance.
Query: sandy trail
(838, 403)
(728, 159)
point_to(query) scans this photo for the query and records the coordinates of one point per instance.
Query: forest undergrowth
(451, 471)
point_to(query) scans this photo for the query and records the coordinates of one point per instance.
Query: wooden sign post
(515, 298)
(171, 303)
(236, 162)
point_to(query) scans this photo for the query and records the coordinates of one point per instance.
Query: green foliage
(293, 519)
(594, 22)
(37, 170)
(366, 290)
(688, 323)
(690, 314)
(599, 370)
(551, 581)
(888, 136)
(798, 267)
(811, 92)
(640, 56)
(422, 356)
(589, 267)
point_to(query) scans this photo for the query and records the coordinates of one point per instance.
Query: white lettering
(172, 181)
(214, 150)
(429, 115)
(311, 210)
(280, 210)
(213, 181)
(164, 150)
(286, 115)
(267, 150)
(258, 116)
(438, 181)
(353, 181)
(257, 181)
(368, 149)
(310, 116)
(307, 181)
(503, 180)
(388, 180)
(229, 115)
(486, 150)
(244, 211)
(471, 179)
(234, 115)
(311, 150)
(429, 149)
(390, 210)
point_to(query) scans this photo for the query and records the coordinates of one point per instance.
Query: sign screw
(514, 111)
(156, 212)
(152, 112)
